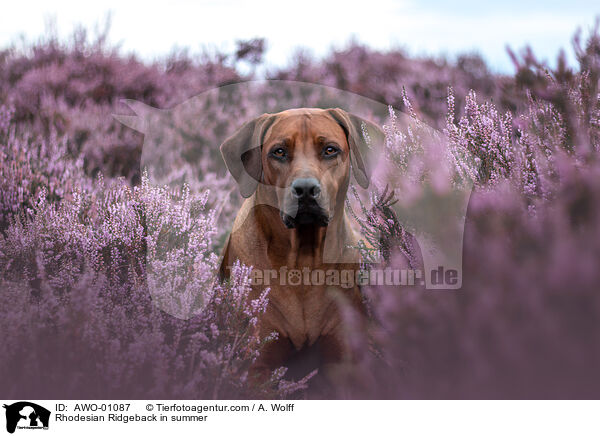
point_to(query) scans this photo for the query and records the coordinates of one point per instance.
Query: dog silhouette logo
(26, 415)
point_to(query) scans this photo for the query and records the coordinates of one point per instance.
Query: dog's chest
(303, 312)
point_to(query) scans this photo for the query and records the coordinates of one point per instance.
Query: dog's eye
(330, 151)
(279, 152)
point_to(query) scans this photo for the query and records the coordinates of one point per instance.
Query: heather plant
(114, 287)
(106, 276)
(387, 76)
(29, 164)
(73, 87)
(524, 324)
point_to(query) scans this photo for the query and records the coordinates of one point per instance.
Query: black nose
(306, 189)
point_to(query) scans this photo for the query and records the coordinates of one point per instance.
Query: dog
(293, 168)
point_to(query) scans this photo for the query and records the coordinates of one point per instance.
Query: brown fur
(306, 317)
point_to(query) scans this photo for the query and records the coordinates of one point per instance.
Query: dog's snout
(303, 206)
(306, 188)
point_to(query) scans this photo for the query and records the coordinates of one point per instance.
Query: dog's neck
(306, 244)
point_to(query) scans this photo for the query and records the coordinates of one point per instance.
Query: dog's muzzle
(305, 194)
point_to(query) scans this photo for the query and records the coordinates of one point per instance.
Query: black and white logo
(26, 415)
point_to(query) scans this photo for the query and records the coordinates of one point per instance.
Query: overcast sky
(154, 28)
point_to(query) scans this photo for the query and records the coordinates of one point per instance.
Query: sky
(152, 29)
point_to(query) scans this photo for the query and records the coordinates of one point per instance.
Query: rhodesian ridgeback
(294, 169)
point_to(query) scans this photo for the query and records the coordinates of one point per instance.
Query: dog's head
(307, 154)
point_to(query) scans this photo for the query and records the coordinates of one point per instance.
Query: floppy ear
(359, 147)
(242, 153)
